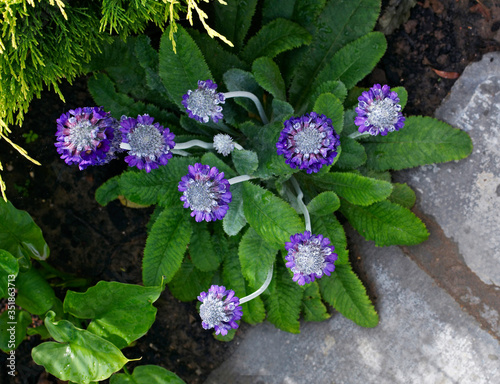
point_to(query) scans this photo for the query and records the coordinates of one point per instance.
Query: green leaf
(19, 234)
(181, 70)
(278, 36)
(166, 245)
(273, 219)
(353, 154)
(403, 195)
(345, 292)
(335, 30)
(283, 300)
(423, 140)
(233, 19)
(329, 227)
(33, 292)
(323, 204)
(245, 162)
(281, 111)
(201, 249)
(402, 94)
(385, 223)
(235, 219)
(238, 80)
(13, 325)
(108, 191)
(335, 87)
(9, 268)
(189, 281)
(312, 306)
(354, 61)
(160, 186)
(78, 355)
(211, 159)
(120, 313)
(256, 257)
(229, 337)
(354, 188)
(268, 75)
(147, 374)
(328, 105)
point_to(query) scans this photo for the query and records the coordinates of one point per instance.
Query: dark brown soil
(106, 243)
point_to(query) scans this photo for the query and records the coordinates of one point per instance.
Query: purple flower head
(223, 144)
(308, 142)
(309, 257)
(378, 111)
(85, 136)
(217, 312)
(206, 192)
(203, 103)
(148, 144)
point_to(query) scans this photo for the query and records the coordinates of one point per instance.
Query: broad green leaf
(245, 162)
(402, 94)
(108, 191)
(354, 61)
(354, 188)
(423, 140)
(19, 234)
(160, 186)
(335, 30)
(312, 306)
(335, 87)
(323, 204)
(345, 292)
(353, 154)
(181, 70)
(147, 374)
(278, 36)
(238, 80)
(283, 300)
(385, 223)
(166, 245)
(77, 355)
(235, 219)
(120, 313)
(281, 111)
(229, 337)
(256, 257)
(349, 126)
(13, 324)
(9, 268)
(33, 292)
(254, 311)
(329, 227)
(233, 19)
(211, 159)
(403, 195)
(328, 105)
(189, 282)
(201, 248)
(267, 74)
(273, 219)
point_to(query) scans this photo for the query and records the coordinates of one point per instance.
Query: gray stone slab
(464, 197)
(423, 337)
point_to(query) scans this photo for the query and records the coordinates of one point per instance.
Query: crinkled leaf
(354, 188)
(278, 36)
(120, 313)
(245, 162)
(189, 281)
(345, 292)
(17, 320)
(9, 268)
(268, 75)
(403, 195)
(335, 87)
(108, 191)
(147, 374)
(281, 111)
(385, 223)
(312, 306)
(211, 159)
(235, 219)
(273, 219)
(33, 292)
(353, 154)
(238, 80)
(402, 94)
(201, 248)
(330, 106)
(19, 234)
(329, 227)
(166, 245)
(181, 70)
(256, 257)
(233, 19)
(77, 355)
(423, 140)
(323, 204)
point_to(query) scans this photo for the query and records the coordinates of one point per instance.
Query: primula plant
(256, 157)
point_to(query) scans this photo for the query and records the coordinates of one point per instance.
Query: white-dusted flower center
(203, 103)
(308, 140)
(310, 258)
(383, 114)
(146, 141)
(223, 144)
(212, 311)
(81, 134)
(199, 196)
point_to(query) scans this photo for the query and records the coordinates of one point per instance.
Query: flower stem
(252, 97)
(302, 206)
(239, 179)
(261, 289)
(193, 143)
(355, 135)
